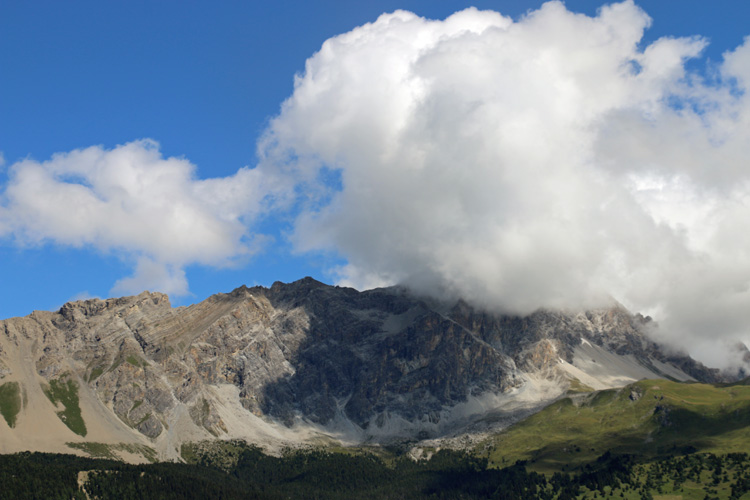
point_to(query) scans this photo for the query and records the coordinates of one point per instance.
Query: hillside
(649, 419)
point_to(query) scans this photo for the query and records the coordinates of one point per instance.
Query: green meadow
(651, 419)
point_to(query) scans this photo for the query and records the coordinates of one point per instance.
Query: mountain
(302, 363)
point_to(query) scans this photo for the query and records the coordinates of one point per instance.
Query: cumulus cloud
(131, 200)
(153, 275)
(549, 161)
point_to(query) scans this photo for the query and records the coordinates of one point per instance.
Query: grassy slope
(66, 393)
(10, 402)
(668, 418)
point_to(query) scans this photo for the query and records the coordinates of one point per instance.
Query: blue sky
(205, 80)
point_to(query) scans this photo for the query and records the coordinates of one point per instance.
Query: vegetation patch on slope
(10, 402)
(96, 372)
(109, 451)
(136, 361)
(66, 393)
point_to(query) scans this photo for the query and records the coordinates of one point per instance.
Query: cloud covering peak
(551, 161)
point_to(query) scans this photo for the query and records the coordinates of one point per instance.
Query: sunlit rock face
(298, 361)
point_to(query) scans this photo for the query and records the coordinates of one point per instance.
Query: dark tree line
(324, 475)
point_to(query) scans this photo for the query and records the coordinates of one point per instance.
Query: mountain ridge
(306, 362)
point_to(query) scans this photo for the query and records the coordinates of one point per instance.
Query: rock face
(302, 360)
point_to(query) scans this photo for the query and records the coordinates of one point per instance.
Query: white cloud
(132, 200)
(152, 275)
(549, 161)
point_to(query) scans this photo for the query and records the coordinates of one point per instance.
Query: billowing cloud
(131, 200)
(551, 161)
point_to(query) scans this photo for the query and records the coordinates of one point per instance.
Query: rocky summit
(301, 363)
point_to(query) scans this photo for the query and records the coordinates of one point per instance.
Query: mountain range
(303, 363)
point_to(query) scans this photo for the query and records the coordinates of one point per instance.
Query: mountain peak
(94, 306)
(305, 283)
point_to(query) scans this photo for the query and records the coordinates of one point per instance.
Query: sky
(513, 153)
